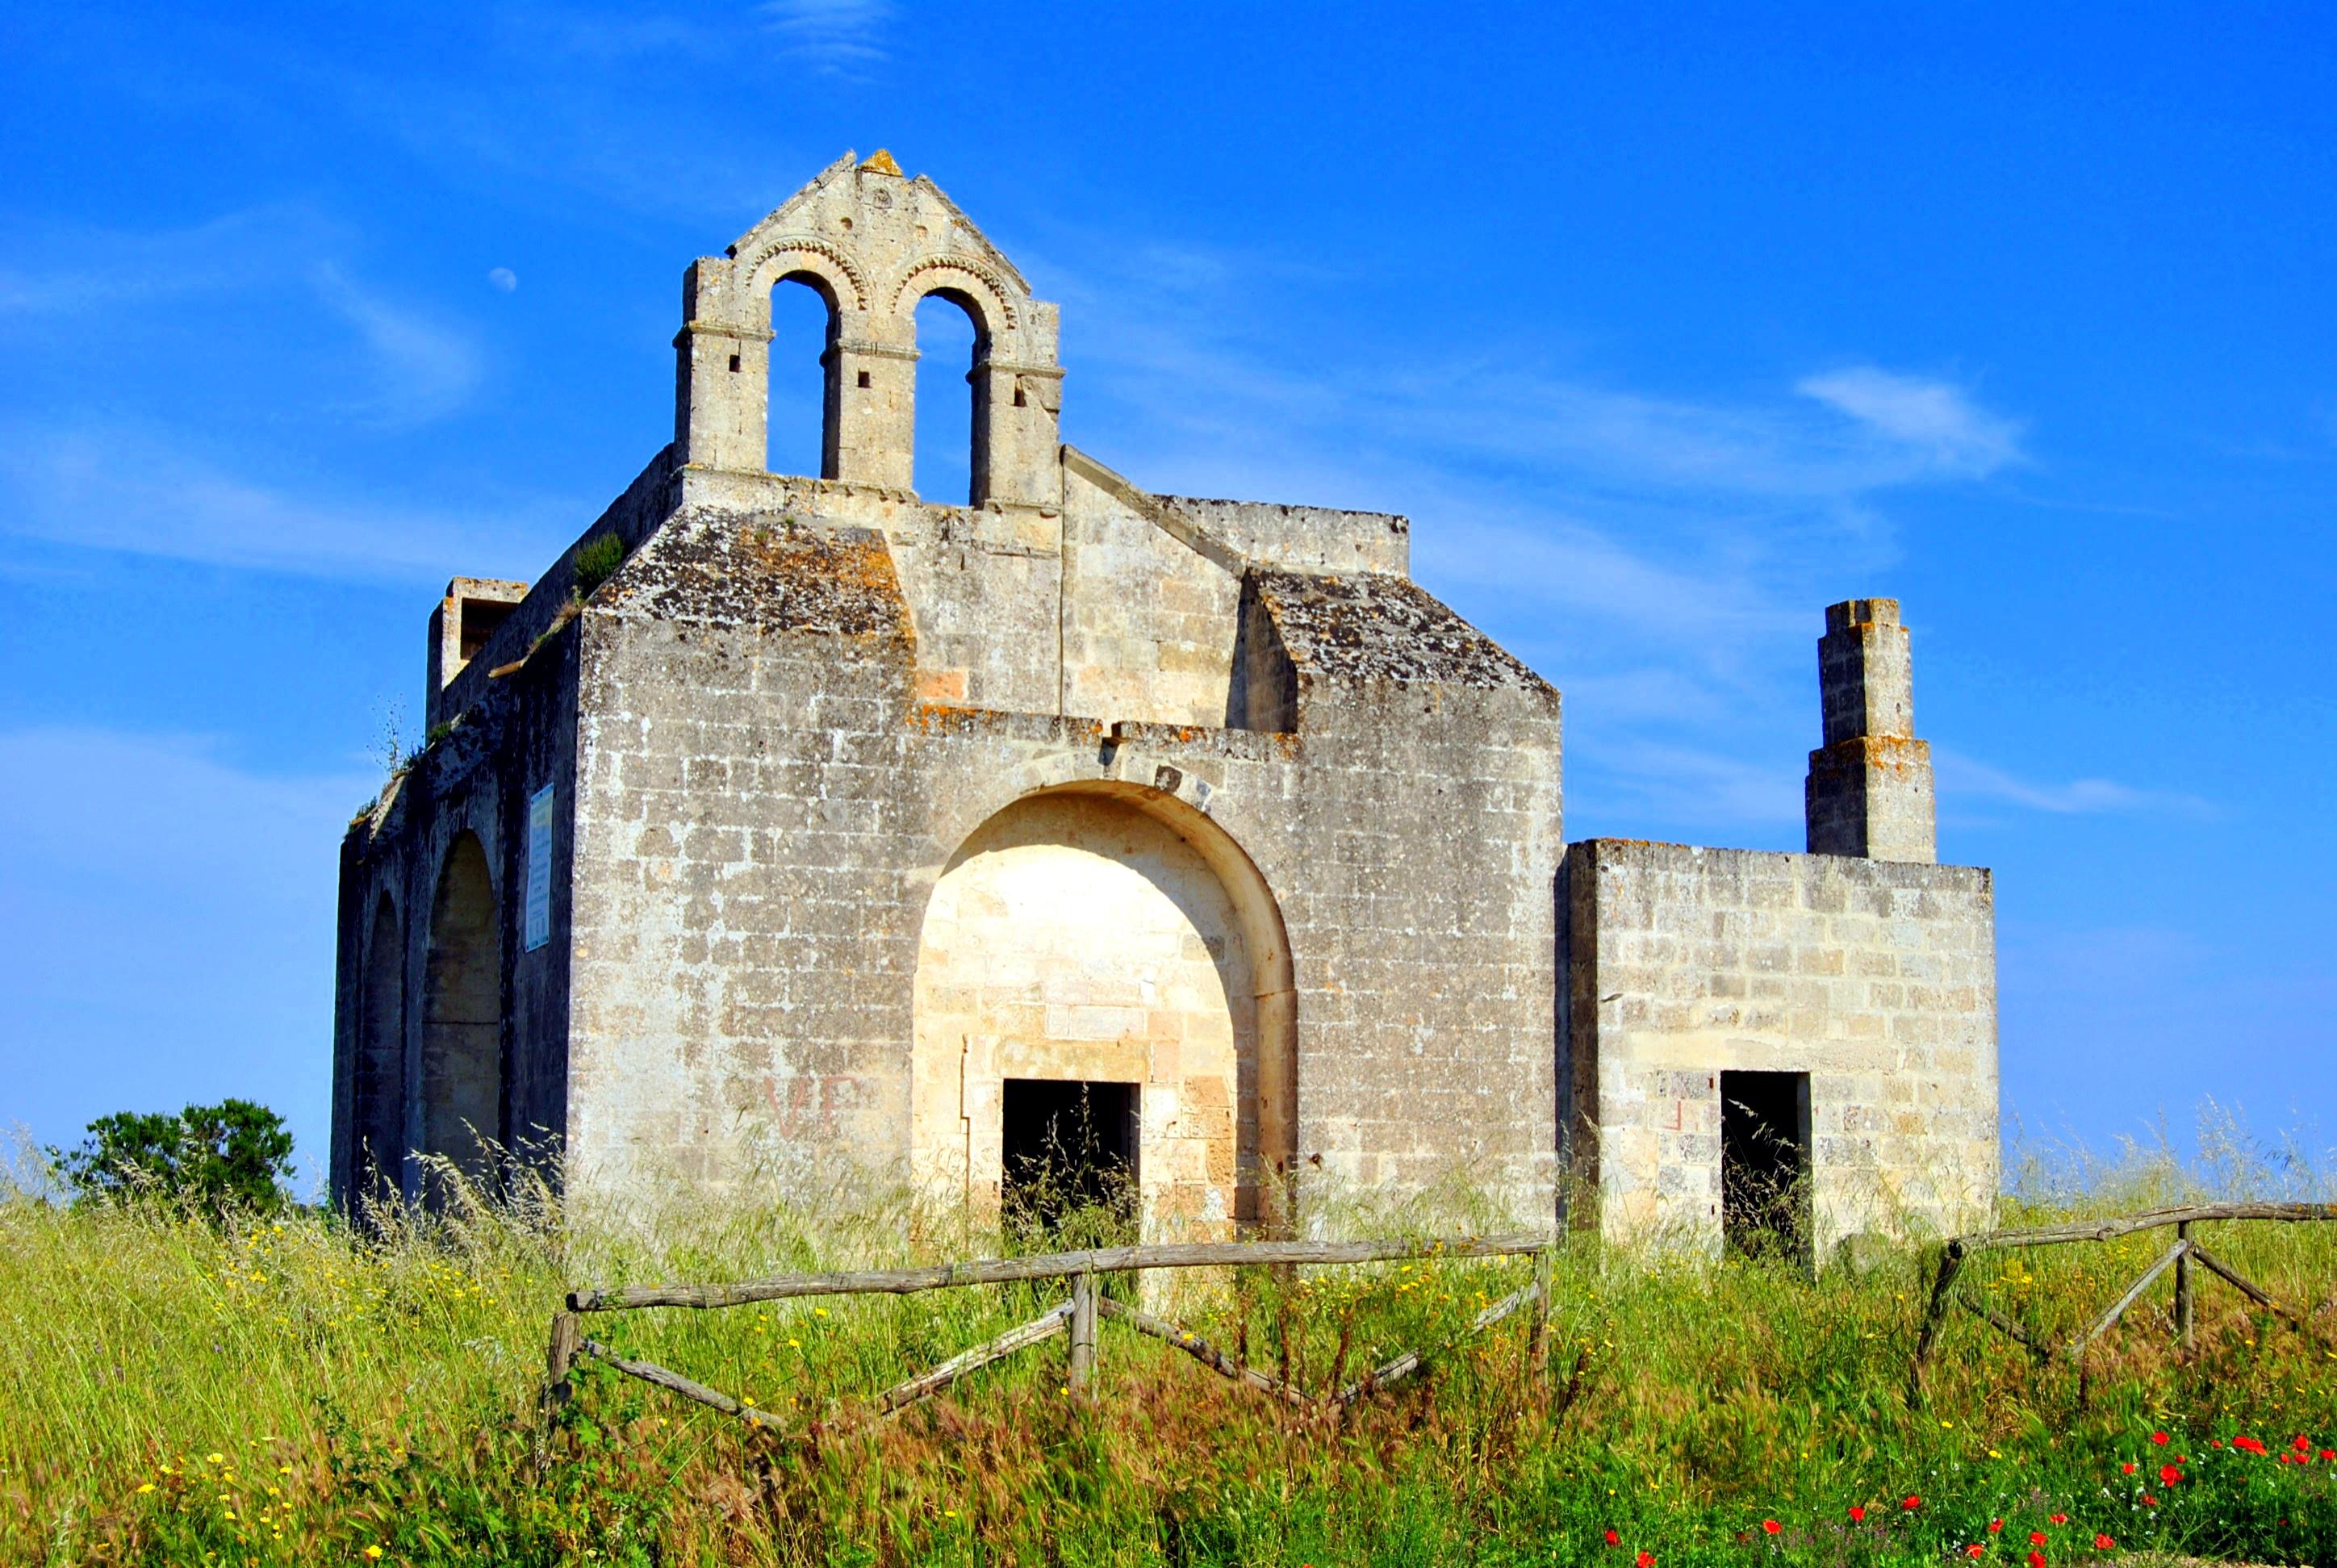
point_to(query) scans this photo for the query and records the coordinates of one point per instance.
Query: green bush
(232, 1155)
(597, 560)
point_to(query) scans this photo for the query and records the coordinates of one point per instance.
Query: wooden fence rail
(1076, 1316)
(2178, 1256)
(1047, 1266)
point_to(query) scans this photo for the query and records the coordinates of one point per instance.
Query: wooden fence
(2179, 1257)
(1076, 1316)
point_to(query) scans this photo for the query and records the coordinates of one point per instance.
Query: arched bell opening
(803, 407)
(950, 456)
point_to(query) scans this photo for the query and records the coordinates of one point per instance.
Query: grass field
(293, 1391)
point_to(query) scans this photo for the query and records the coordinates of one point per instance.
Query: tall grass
(301, 1390)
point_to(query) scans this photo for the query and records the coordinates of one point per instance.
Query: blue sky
(1667, 324)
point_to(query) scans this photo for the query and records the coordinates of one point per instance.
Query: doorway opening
(1765, 1165)
(1070, 1154)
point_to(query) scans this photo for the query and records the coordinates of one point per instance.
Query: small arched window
(950, 344)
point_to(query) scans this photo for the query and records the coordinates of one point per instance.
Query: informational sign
(539, 868)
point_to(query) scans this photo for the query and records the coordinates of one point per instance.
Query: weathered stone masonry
(840, 812)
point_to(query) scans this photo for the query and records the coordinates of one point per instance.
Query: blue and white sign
(539, 868)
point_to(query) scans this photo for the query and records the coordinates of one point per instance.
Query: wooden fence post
(567, 1334)
(1540, 1338)
(1951, 1262)
(2183, 1313)
(559, 1354)
(1083, 1332)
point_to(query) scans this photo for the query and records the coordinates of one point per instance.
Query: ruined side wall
(518, 736)
(1876, 978)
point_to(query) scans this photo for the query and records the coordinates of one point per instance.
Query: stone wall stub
(1876, 978)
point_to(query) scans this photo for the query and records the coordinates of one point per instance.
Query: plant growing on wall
(597, 560)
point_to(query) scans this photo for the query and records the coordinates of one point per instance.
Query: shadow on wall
(1076, 938)
(462, 1018)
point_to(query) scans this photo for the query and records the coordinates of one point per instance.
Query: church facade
(791, 820)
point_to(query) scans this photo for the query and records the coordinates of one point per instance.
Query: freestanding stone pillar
(1869, 784)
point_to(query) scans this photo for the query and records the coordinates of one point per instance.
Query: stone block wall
(768, 805)
(1875, 978)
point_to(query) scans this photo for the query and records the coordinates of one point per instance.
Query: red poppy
(1857, 1512)
(1974, 1550)
(1911, 1503)
(2130, 1467)
(2169, 1474)
(2249, 1444)
(2057, 1519)
(1770, 1527)
(2300, 1443)
(1644, 1559)
(2148, 1501)
(1994, 1525)
(2037, 1537)
(2103, 1543)
(2036, 1560)
(2159, 1438)
(2215, 1441)
(1613, 1539)
(2328, 1455)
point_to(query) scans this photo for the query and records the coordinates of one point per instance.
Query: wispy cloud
(1960, 775)
(1695, 786)
(424, 368)
(841, 37)
(1162, 320)
(124, 488)
(56, 269)
(1932, 417)
(1660, 552)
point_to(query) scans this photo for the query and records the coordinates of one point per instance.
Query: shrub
(232, 1155)
(597, 560)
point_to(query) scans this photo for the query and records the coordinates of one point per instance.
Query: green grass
(295, 1391)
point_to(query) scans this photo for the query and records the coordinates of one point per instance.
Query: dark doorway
(1068, 1146)
(1765, 1164)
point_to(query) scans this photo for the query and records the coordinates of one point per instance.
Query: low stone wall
(1876, 978)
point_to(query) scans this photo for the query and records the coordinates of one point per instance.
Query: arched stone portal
(461, 1016)
(1110, 935)
(378, 1117)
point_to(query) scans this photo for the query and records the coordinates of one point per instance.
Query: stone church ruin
(816, 820)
